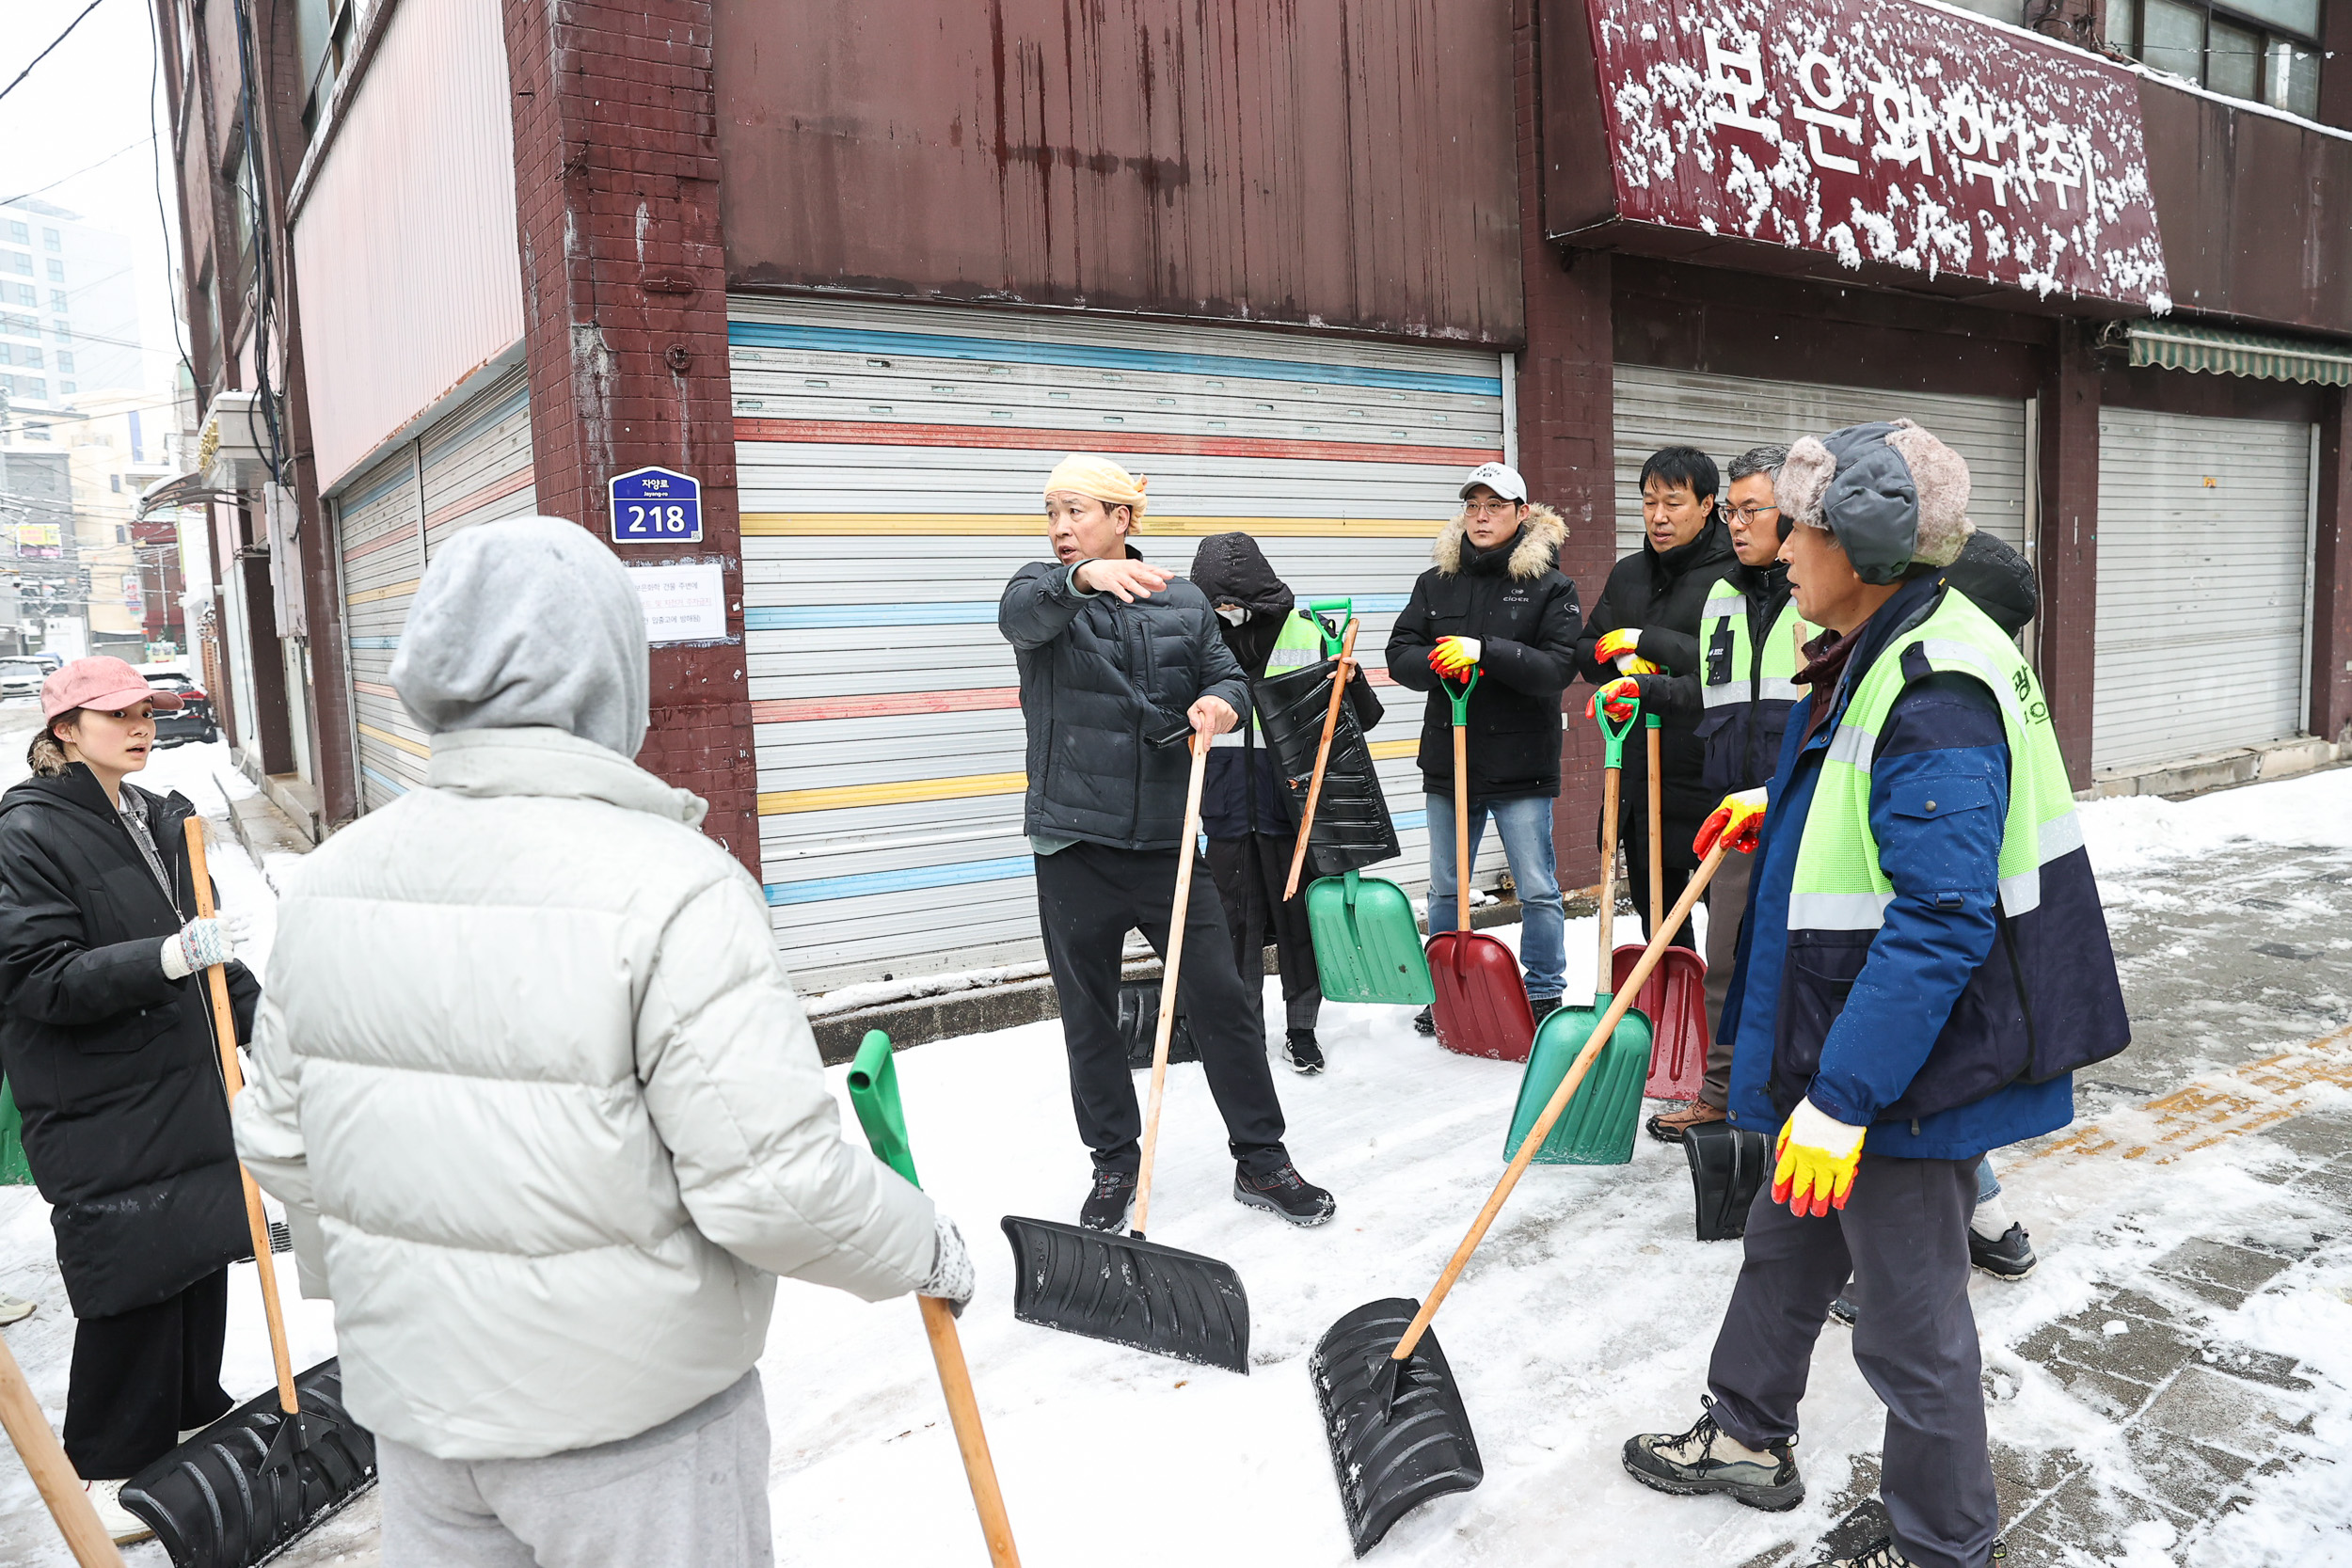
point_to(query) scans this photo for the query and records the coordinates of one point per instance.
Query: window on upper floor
(7, 354)
(23, 326)
(114, 482)
(65, 360)
(327, 30)
(51, 240)
(64, 334)
(20, 233)
(28, 294)
(57, 270)
(29, 357)
(19, 261)
(35, 387)
(2263, 50)
(56, 299)
(66, 387)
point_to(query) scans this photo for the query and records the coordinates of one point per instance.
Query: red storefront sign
(1884, 131)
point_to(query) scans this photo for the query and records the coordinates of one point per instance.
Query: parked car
(21, 677)
(192, 719)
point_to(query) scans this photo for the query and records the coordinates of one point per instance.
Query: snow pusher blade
(1129, 1292)
(241, 1490)
(1398, 1430)
(1481, 1007)
(1124, 1289)
(1367, 943)
(1675, 1000)
(1369, 1395)
(1727, 1165)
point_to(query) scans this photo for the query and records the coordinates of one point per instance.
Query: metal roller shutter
(1725, 415)
(469, 467)
(2204, 530)
(890, 459)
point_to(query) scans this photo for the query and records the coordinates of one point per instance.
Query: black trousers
(1250, 873)
(1904, 1238)
(1634, 835)
(141, 1378)
(1088, 896)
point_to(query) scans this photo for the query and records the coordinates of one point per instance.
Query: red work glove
(1622, 697)
(1735, 821)
(1454, 657)
(1618, 647)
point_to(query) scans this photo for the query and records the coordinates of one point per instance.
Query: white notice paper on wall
(684, 603)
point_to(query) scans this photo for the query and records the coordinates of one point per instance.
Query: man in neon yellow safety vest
(1923, 968)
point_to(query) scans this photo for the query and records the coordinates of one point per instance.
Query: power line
(13, 200)
(53, 43)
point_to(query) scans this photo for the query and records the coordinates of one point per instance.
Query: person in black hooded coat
(1245, 812)
(110, 1053)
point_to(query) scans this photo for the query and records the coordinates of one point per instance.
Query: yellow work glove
(1818, 1156)
(1735, 821)
(1618, 647)
(1621, 697)
(1454, 657)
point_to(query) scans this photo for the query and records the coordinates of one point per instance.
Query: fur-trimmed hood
(1537, 552)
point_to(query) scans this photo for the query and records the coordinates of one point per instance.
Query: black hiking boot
(1426, 1022)
(1704, 1459)
(1883, 1553)
(1844, 1310)
(1286, 1192)
(1543, 1007)
(1301, 1053)
(1107, 1205)
(2011, 1258)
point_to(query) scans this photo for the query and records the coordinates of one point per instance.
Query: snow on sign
(656, 506)
(1885, 130)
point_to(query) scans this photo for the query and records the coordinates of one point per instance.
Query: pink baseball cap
(106, 684)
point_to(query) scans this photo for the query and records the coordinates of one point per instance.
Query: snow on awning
(193, 488)
(2176, 346)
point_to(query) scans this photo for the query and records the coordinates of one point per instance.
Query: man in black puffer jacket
(1496, 602)
(1120, 665)
(1648, 621)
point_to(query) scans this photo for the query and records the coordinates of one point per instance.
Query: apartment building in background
(69, 308)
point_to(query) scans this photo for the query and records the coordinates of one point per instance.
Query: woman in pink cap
(106, 1039)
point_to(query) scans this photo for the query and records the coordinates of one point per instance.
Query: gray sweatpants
(691, 1493)
(1903, 1236)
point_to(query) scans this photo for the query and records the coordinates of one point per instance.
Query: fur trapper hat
(1892, 495)
(1538, 551)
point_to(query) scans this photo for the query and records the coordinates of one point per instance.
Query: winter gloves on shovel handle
(1818, 1155)
(199, 944)
(1621, 699)
(1737, 822)
(1618, 647)
(1454, 657)
(951, 1278)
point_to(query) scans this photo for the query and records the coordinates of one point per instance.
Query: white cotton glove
(951, 1268)
(199, 944)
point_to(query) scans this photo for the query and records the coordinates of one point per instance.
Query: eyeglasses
(1746, 513)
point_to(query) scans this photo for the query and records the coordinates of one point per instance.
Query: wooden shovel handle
(1185, 850)
(1656, 831)
(1558, 1103)
(964, 1413)
(233, 1080)
(1611, 781)
(1322, 755)
(44, 1459)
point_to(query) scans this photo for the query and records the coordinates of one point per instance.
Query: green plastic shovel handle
(1614, 735)
(874, 1093)
(1345, 609)
(1651, 721)
(1460, 699)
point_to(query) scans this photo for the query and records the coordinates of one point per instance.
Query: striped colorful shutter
(469, 467)
(890, 460)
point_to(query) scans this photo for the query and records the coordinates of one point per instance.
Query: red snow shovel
(874, 1094)
(240, 1491)
(1480, 1007)
(1124, 1289)
(1674, 1001)
(1392, 1410)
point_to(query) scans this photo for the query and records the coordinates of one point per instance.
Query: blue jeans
(1525, 823)
(1988, 1184)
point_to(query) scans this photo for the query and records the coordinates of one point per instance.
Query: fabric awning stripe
(2218, 351)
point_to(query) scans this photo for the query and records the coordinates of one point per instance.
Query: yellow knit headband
(1101, 478)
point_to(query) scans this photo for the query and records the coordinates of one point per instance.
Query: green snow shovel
(1598, 1127)
(874, 1092)
(1367, 943)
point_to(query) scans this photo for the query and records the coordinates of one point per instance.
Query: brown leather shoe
(1667, 1126)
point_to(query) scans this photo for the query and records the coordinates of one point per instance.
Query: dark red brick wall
(2067, 627)
(1566, 412)
(2331, 572)
(616, 185)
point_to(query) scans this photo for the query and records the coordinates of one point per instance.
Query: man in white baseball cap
(1502, 479)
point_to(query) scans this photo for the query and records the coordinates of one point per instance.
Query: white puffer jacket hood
(527, 1052)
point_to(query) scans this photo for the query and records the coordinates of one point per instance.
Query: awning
(2176, 346)
(189, 489)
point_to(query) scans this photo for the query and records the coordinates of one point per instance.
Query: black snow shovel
(242, 1489)
(1399, 1432)
(1124, 1289)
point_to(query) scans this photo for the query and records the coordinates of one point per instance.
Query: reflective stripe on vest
(1838, 885)
(1744, 680)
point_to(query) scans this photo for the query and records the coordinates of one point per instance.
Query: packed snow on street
(1587, 1316)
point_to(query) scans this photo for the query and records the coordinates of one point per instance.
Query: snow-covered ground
(1588, 1315)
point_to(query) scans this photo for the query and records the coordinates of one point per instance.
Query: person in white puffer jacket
(533, 1083)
